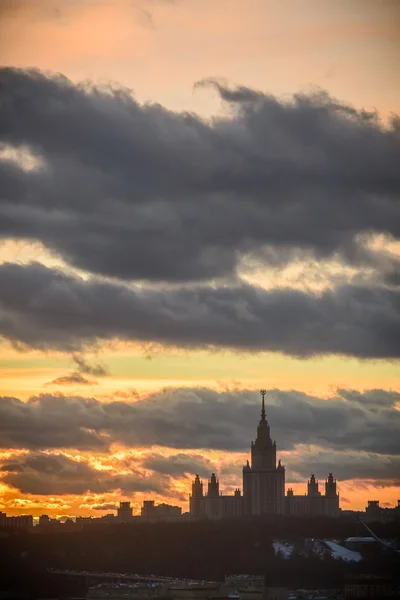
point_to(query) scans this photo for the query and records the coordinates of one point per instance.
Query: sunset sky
(197, 199)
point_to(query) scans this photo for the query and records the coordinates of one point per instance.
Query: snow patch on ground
(283, 548)
(341, 553)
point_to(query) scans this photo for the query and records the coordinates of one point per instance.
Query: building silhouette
(314, 504)
(378, 514)
(124, 512)
(214, 505)
(263, 481)
(161, 512)
(19, 523)
(263, 487)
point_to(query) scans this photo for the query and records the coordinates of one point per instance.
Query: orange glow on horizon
(159, 51)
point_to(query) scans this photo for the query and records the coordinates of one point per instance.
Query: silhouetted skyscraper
(263, 487)
(263, 481)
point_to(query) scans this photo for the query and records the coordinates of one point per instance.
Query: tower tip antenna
(263, 392)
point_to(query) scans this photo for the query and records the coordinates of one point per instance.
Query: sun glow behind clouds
(124, 462)
(23, 157)
(25, 251)
(351, 53)
(356, 56)
(133, 373)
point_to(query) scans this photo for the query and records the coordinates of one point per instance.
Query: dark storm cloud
(345, 466)
(44, 308)
(40, 424)
(179, 465)
(197, 418)
(140, 192)
(368, 467)
(57, 474)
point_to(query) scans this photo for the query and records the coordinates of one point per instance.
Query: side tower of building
(263, 480)
(124, 513)
(314, 504)
(213, 504)
(331, 497)
(196, 500)
(212, 501)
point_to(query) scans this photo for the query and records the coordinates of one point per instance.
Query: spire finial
(263, 392)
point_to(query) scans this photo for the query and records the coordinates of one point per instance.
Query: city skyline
(263, 491)
(198, 200)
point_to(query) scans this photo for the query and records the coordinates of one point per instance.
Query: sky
(197, 200)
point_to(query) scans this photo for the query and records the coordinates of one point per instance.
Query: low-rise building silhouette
(374, 513)
(19, 523)
(161, 512)
(124, 512)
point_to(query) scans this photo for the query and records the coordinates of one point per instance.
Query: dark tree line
(203, 550)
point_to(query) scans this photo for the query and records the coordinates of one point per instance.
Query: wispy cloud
(74, 378)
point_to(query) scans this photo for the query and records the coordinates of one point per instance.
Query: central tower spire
(263, 392)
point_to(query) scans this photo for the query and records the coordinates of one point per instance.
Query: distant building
(47, 523)
(243, 587)
(127, 590)
(51, 525)
(379, 514)
(20, 523)
(161, 512)
(124, 512)
(194, 590)
(370, 586)
(314, 504)
(252, 587)
(89, 521)
(108, 518)
(263, 488)
(214, 505)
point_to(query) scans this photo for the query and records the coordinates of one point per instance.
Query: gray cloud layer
(179, 465)
(44, 308)
(140, 192)
(345, 464)
(202, 418)
(57, 474)
(384, 469)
